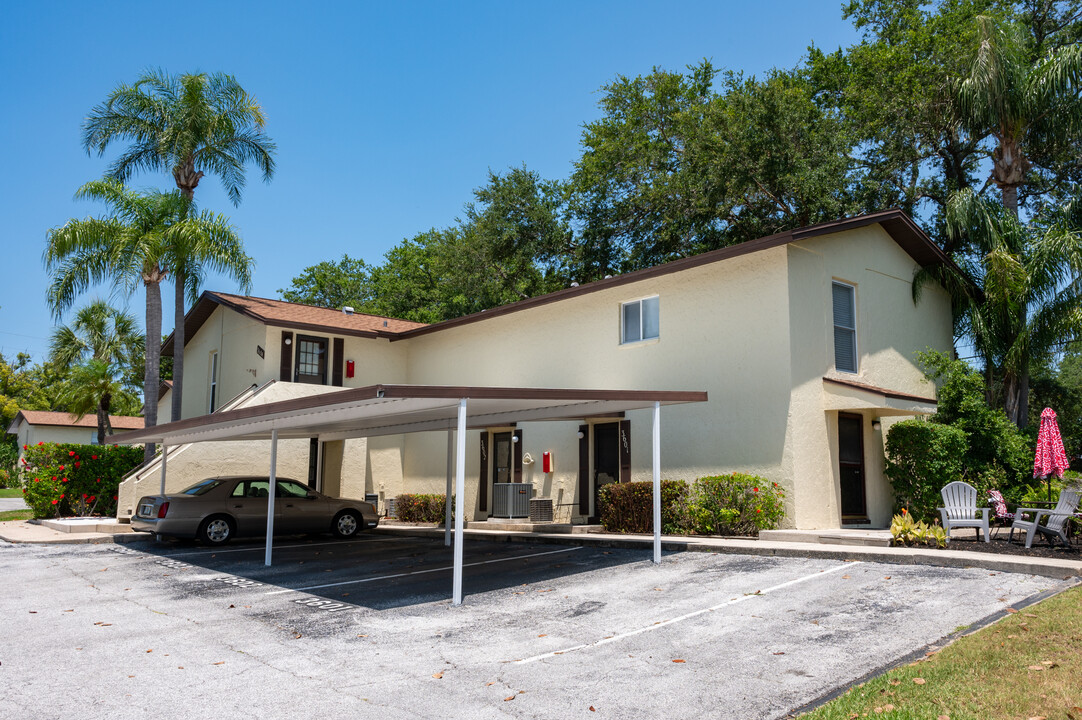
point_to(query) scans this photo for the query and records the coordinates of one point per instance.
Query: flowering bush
(75, 480)
(734, 504)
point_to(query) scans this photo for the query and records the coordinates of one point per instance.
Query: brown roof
(63, 419)
(280, 313)
(897, 224)
(880, 391)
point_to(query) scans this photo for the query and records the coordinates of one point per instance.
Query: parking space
(367, 626)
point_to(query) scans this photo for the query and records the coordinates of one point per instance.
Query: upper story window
(213, 381)
(845, 327)
(640, 320)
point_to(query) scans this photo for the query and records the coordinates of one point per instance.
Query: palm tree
(203, 242)
(1030, 280)
(139, 241)
(90, 389)
(188, 125)
(100, 333)
(1019, 102)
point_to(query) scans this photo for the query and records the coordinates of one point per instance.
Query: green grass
(1027, 665)
(10, 492)
(16, 515)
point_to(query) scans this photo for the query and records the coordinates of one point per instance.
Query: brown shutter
(336, 361)
(286, 373)
(584, 470)
(482, 489)
(516, 463)
(625, 451)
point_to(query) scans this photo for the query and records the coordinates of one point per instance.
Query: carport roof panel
(393, 409)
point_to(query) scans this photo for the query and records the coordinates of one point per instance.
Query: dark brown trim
(285, 366)
(895, 222)
(516, 457)
(482, 487)
(880, 391)
(625, 451)
(584, 470)
(336, 361)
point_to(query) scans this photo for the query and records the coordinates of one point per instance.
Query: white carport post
(270, 495)
(460, 485)
(165, 451)
(449, 494)
(657, 482)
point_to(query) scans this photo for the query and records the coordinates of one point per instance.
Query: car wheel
(216, 530)
(346, 524)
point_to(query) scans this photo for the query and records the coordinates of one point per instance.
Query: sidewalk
(21, 531)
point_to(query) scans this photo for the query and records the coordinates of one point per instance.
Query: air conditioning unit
(541, 510)
(511, 500)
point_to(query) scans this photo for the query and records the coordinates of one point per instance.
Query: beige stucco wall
(33, 434)
(890, 330)
(235, 338)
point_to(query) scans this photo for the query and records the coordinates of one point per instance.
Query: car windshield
(201, 488)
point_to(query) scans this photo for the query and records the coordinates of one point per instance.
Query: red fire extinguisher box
(546, 462)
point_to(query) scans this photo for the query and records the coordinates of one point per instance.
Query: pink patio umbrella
(1050, 459)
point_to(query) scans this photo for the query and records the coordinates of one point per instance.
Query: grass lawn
(10, 492)
(1028, 665)
(16, 515)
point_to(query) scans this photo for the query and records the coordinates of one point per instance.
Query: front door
(311, 360)
(851, 461)
(606, 458)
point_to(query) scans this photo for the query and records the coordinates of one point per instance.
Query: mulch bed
(965, 539)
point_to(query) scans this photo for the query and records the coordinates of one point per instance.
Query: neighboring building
(805, 342)
(34, 426)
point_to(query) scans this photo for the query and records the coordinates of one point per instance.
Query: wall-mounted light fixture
(289, 341)
(876, 425)
(580, 434)
(514, 438)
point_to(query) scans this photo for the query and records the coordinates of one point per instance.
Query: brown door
(851, 461)
(311, 360)
(606, 458)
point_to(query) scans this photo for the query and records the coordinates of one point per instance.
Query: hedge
(420, 508)
(734, 504)
(629, 507)
(65, 480)
(922, 457)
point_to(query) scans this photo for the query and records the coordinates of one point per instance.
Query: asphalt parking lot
(366, 627)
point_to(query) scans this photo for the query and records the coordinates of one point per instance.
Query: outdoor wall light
(514, 438)
(876, 424)
(289, 341)
(580, 434)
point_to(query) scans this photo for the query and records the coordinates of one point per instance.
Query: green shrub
(734, 504)
(421, 507)
(64, 480)
(922, 457)
(629, 507)
(908, 531)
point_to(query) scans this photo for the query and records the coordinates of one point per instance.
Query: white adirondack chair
(1056, 524)
(960, 509)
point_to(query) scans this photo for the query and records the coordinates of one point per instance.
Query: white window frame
(834, 328)
(623, 328)
(215, 370)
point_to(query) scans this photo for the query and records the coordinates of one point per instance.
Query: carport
(379, 410)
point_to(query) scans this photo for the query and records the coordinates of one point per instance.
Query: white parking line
(688, 616)
(262, 548)
(420, 572)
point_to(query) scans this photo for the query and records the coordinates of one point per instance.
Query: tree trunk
(178, 344)
(151, 376)
(102, 414)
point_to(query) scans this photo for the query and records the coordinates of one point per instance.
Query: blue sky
(386, 115)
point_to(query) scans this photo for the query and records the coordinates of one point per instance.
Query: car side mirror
(312, 495)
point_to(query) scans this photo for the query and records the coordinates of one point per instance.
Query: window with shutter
(845, 327)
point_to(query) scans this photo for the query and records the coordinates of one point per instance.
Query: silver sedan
(217, 509)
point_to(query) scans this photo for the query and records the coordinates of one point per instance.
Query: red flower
(116, 446)
(37, 479)
(775, 484)
(54, 478)
(61, 467)
(93, 457)
(61, 495)
(55, 502)
(84, 496)
(903, 511)
(758, 510)
(91, 499)
(64, 480)
(114, 497)
(24, 491)
(755, 489)
(76, 463)
(24, 447)
(41, 443)
(98, 480)
(71, 453)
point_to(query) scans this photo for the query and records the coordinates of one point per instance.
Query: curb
(1043, 567)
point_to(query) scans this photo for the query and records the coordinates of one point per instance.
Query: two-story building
(805, 342)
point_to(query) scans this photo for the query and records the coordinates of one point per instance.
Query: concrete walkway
(26, 532)
(8, 504)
